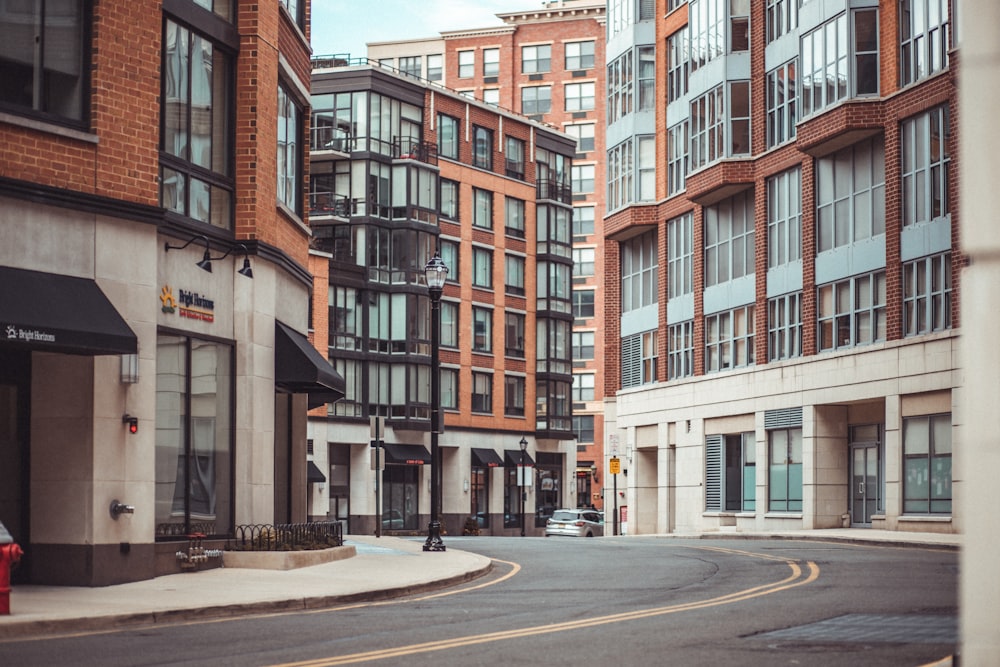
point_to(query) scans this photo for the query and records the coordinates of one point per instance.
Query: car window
(563, 515)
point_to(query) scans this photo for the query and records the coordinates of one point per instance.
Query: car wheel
(590, 534)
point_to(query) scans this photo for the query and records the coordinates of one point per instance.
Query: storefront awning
(314, 475)
(414, 455)
(512, 458)
(485, 458)
(300, 369)
(56, 313)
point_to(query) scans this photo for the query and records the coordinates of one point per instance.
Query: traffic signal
(132, 423)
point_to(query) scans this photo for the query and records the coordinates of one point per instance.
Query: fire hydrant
(10, 554)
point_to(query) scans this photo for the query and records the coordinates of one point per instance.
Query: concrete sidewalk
(381, 568)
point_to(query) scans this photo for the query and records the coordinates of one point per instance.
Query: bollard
(10, 554)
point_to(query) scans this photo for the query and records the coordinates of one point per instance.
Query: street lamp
(436, 272)
(520, 479)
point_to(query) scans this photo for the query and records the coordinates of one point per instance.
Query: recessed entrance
(865, 475)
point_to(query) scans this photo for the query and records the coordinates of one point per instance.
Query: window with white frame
(482, 392)
(619, 168)
(536, 100)
(582, 178)
(536, 59)
(583, 221)
(491, 96)
(583, 304)
(646, 158)
(482, 208)
(514, 216)
(435, 67)
(482, 267)
(927, 448)
(739, 118)
(579, 55)
(514, 274)
(583, 387)
(708, 118)
(729, 339)
(583, 345)
(784, 327)
(680, 350)
(784, 218)
(927, 295)
(583, 262)
(466, 64)
(739, 25)
(826, 56)
(491, 62)
(639, 281)
(707, 23)
(678, 144)
(621, 14)
(781, 98)
(866, 51)
(925, 167)
(579, 96)
(289, 151)
(647, 77)
(619, 86)
(678, 65)
(680, 256)
(639, 355)
(782, 17)
(850, 195)
(851, 312)
(584, 133)
(729, 239)
(583, 428)
(924, 27)
(482, 329)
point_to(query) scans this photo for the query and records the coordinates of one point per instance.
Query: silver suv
(575, 523)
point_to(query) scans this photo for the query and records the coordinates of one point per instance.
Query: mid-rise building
(403, 170)
(154, 292)
(783, 317)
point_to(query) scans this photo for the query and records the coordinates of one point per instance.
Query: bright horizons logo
(189, 304)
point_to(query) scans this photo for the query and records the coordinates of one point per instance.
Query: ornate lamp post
(436, 272)
(520, 479)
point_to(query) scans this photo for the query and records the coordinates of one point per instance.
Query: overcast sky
(345, 26)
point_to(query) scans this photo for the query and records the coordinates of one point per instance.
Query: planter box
(285, 560)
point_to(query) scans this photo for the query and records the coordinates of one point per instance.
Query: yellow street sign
(616, 466)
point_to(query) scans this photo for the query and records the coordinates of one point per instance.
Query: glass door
(866, 478)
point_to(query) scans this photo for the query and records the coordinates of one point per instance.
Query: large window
(782, 17)
(784, 218)
(730, 472)
(447, 136)
(852, 312)
(582, 178)
(482, 392)
(729, 239)
(707, 23)
(514, 274)
(647, 77)
(583, 427)
(513, 403)
(923, 38)
(194, 437)
(466, 64)
(781, 97)
(479, 494)
(583, 262)
(619, 175)
(583, 387)
(449, 324)
(583, 222)
(514, 334)
(680, 350)
(449, 200)
(536, 59)
(482, 267)
(639, 270)
(926, 163)
(827, 55)
(680, 256)
(449, 388)
(579, 96)
(850, 195)
(515, 158)
(583, 345)
(44, 65)
(482, 329)
(784, 475)
(435, 67)
(536, 100)
(482, 208)
(639, 359)
(196, 141)
(927, 465)
(514, 216)
(619, 85)
(584, 133)
(491, 62)
(927, 295)
(482, 145)
(729, 339)
(289, 152)
(411, 66)
(784, 327)
(708, 119)
(583, 304)
(678, 147)
(579, 55)
(345, 318)
(678, 67)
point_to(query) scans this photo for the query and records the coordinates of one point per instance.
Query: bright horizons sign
(191, 305)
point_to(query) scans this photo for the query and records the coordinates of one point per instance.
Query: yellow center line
(795, 579)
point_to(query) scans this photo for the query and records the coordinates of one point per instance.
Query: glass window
(345, 321)
(479, 496)
(482, 392)
(730, 473)
(482, 208)
(514, 334)
(466, 64)
(583, 262)
(583, 427)
(707, 23)
(536, 100)
(639, 359)
(515, 158)
(583, 387)
(927, 295)
(482, 329)
(449, 255)
(729, 239)
(579, 55)
(583, 304)
(619, 85)
(584, 133)
(678, 144)
(784, 327)
(784, 479)
(536, 59)
(411, 66)
(583, 221)
(782, 17)
(583, 345)
(449, 324)
(514, 216)
(619, 175)
(680, 350)
(680, 256)
(194, 485)
(739, 25)
(639, 270)
(729, 339)
(784, 218)
(678, 66)
(514, 275)
(647, 77)
(482, 267)
(852, 312)
(491, 62)
(926, 165)
(579, 96)
(435, 67)
(781, 97)
(707, 119)
(449, 388)
(448, 136)
(289, 152)
(924, 27)
(449, 199)
(482, 141)
(582, 178)
(45, 65)
(196, 140)
(927, 482)
(491, 96)
(850, 195)
(513, 404)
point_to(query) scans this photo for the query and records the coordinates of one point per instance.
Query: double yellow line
(798, 577)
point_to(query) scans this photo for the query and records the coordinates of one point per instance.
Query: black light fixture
(520, 479)
(436, 273)
(132, 423)
(246, 270)
(206, 261)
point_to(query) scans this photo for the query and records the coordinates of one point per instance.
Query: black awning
(300, 369)
(47, 311)
(512, 458)
(414, 455)
(314, 475)
(486, 458)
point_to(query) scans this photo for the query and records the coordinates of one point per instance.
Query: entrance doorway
(866, 475)
(15, 381)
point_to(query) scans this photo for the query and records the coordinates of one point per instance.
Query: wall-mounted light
(118, 508)
(465, 485)
(130, 369)
(206, 260)
(131, 423)
(247, 270)
(593, 471)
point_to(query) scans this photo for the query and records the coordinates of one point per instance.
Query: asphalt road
(574, 601)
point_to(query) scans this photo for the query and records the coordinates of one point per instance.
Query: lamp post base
(434, 542)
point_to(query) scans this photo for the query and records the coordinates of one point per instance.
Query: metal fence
(287, 536)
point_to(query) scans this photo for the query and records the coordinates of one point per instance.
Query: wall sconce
(132, 423)
(593, 471)
(118, 508)
(465, 485)
(246, 270)
(130, 369)
(206, 261)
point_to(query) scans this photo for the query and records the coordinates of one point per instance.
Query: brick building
(154, 291)
(402, 169)
(546, 63)
(781, 351)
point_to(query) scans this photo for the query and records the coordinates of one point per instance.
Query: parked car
(575, 523)
(392, 520)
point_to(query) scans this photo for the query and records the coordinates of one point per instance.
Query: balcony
(555, 191)
(405, 148)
